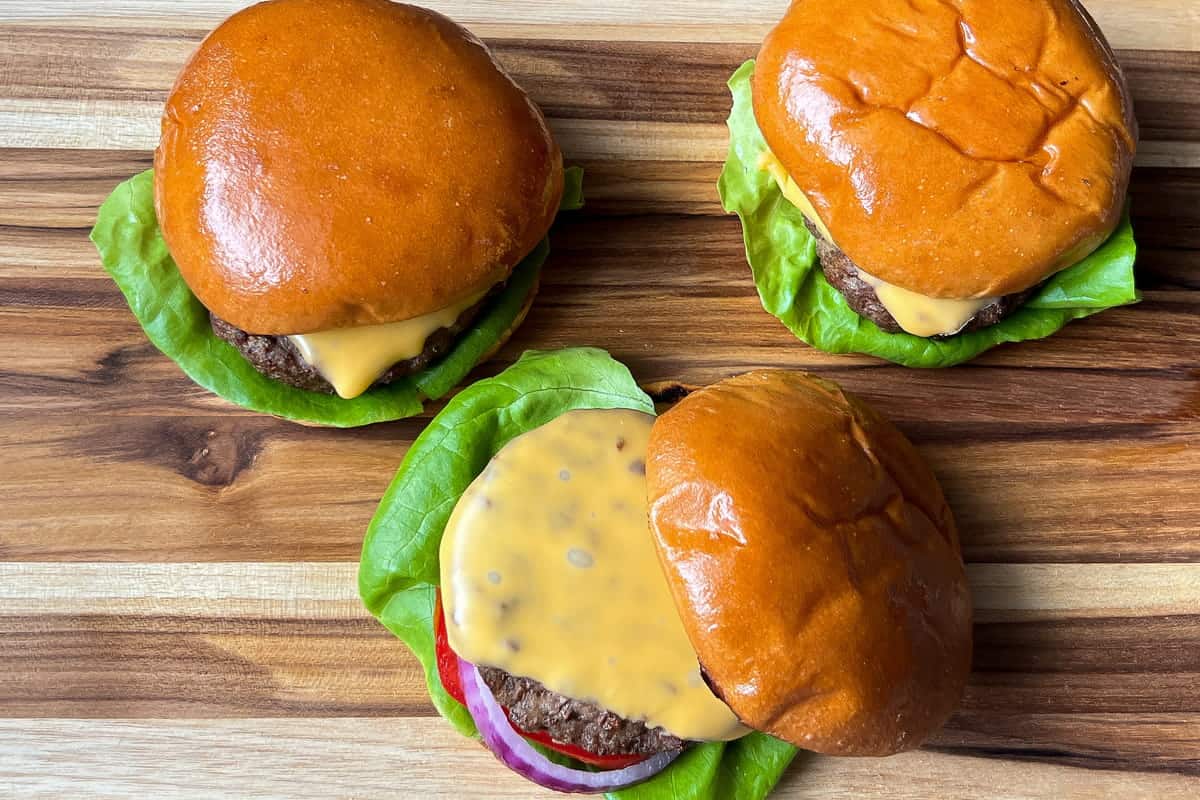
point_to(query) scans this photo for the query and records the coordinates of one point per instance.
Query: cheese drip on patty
(352, 359)
(916, 313)
(549, 572)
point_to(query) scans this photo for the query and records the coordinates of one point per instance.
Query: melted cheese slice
(352, 359)
(549, 572)
(916, 313)
(791, 191)
(921, 315)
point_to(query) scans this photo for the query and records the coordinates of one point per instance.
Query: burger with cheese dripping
(768, 565)
(923, 181)
(355, 199)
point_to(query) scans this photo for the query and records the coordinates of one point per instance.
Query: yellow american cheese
(351, 359)
(916, 313)
(549, 572)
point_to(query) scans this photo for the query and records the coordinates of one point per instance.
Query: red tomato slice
(447, 661)
(579, 754)
(447, 666)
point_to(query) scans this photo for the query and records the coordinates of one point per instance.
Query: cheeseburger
(346, 185)
(948, 158)
(768, 555)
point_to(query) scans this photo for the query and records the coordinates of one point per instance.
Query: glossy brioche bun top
(814, 562)
(335, 163)
(957, 149)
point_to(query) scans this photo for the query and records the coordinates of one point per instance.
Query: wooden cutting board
(178, 615)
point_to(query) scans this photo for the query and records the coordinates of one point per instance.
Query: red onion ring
(521, 757)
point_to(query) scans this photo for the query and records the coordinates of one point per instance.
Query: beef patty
(534, 708)
(278, 359)
(843, 275)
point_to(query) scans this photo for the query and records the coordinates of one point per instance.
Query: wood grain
(605, 80)
(408, 757)
(220, 487)
(676, 112)
(1149, 24)
(178, 615)
(1076, 643)
(298, 590)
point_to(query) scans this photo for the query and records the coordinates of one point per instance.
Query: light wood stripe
(293, 590)
(86, 124)
(564, 12)
(328, 590)
(424, 758)
(133, 125)
(1046, 591)
(1148, 24)
(733, 32)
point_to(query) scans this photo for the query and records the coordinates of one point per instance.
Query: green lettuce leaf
(783, 258)
(398, 573)
(134, 254)
(572, 196)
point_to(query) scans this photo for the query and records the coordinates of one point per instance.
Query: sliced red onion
(521, 757)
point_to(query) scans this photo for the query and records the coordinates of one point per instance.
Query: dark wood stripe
(1166, 219)
(659, 81)
(1097, 693)
(145, 667)
(93, 292)
(1132, 743)
(1163, 88)
(1111, 665)
(1008, 652)
(60, 188)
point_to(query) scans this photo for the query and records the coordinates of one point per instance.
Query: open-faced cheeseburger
(954, 163)
(769, 554)
(351, 188)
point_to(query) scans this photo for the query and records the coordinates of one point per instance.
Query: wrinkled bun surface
(333, 163)
(958, 149)
(814, 561)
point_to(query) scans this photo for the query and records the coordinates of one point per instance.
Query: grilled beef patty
(278, 359)
(843, 275)
(533, 707)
